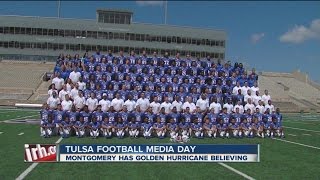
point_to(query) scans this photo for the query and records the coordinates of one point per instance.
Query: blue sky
(270, 36)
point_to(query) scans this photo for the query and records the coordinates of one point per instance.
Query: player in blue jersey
(248, 116)
(98, 114)
(245, 128)
(120, 128)
(209, 129)
(184, 129)
(85, 114)
(94, 127)
(107, 127)
(187, 116)
(80, 127)
(258, 127)
(58, 116)
(225, 116)
(197, 129)
(73, 114)
(222, 128)
(172, 128)
(233, 128)
(134, 128)
(45, 112)
(267, 115)
(159, 128)
(147, 127)
(277, 128)
(47, 126)
(278, 116)
(65, 127)
(258, 115)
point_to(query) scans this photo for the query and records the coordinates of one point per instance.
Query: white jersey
(166, 107)
(241, 108)
(254, 90)
(62, 94)
(270, 107)
(191, 106)
(66, 105)
(105, 105)
(58, 82)
(53, 102)
(216, 106)
(117, 104)
(68, 87)
(235, 90)
(143, 104)
(202, 104)
(177, 104)
(79, 102)
(92, 104)
(74, 93)
(246, 97)
(256, 99)
(82, 86)
(131, 104)
(229, 107)
(155, 107)
(261, 109)
(265, 98)
(249, 106)
(244, 90)
(51, 91)
(74, 76)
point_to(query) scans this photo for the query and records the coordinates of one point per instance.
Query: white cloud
(256, 37)
(150, 3)
(300, 33)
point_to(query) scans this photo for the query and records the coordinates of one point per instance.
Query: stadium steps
(41, 92)
(288, 107)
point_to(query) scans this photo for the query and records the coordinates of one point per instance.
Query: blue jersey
(81, 124)
(47, 124)
(225, 118)
(73, 116)
(268, 117)
(110, 94)
(120, 125)
(187, 117)
(213, 118)
(134, 125)
(208, 125)
(112, 117)
(44, 114)
(99, 115)
(146, 126)
(107, 124)
(163, 118)
(237, 117)
(66, 124)
(246, 125)
(196, 126)
(58, 116)
(278, 118)
(248, 117)
(124, 116)
(234, 126)
(103, 84)
(222, 127)
(159, 125)
(198, 116)
(175, 117)
(94, 125)
(86, 116)
(259, 116)
(172, 126)
(149, 116)
(184, 126)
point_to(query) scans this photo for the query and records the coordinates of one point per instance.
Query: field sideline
(295, 157)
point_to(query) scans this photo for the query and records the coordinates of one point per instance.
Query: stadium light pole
(59, 5)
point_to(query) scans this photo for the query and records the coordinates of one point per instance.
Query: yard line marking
(22, 117)
(236, 171)
(21, 134)
(297, 122)
(1, 132)
(306, 134)
(292, 135)
(300, 129)
(314, 147)
(33, 165)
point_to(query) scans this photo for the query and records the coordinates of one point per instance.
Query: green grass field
(295, 157)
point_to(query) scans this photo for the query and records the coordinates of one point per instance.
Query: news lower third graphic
(141, 153)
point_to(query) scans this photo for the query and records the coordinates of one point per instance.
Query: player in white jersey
(66, 104)
(130, 103)
(58, 81)
(53, 101)
(245, 88)
(92, 102)
(256, 98)
(63, 93)
(216, 106)
(79, 101)
(260, 107)
(166, 105)
(177, 103)
(266, 97)
(236, 88)
(105, 103)
(240, 107)
(229, 106)
(189, 104)
(203, 103)
(155, 105)
(250, 106)
(143, 103)
(248, 96)
(52, 89)
(74, 75)
(269, 106)
(117, 103)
